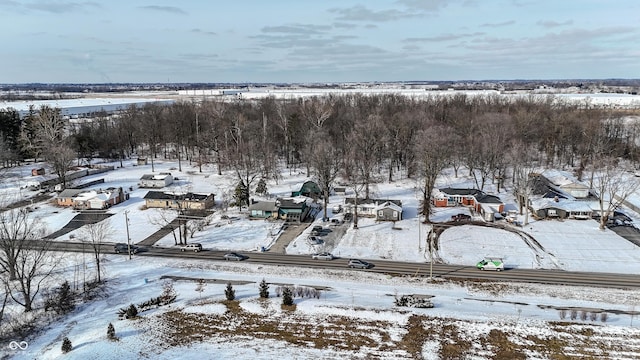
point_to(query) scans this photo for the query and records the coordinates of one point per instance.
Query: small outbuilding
(308, 189)
(155, 181)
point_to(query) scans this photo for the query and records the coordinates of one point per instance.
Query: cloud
(552, 24)
(493, 25)
(425, 5)
(199, 31)
(301, 29)
(361, 13)
(444, 37)
(341, 25)
(169, 9)
(59, 7)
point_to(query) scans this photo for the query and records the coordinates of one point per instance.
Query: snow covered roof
(389, 205)
(564, 204)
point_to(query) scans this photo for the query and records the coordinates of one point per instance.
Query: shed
(38, 171)
(156, 181)
(388, 211)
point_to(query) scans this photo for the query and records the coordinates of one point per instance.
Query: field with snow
(355, 315)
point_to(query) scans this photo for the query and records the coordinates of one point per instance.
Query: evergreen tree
(66, 345)
(132, 312)
(241, 195)
(287, 296)
(261, 188)
(264, 289)
(65, 298)
(111, 333)
(229, 292)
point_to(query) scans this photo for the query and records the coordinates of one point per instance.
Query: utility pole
(126, 221)
(419, 234)
(432, 234)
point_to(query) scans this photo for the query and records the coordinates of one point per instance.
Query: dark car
(359, 264)
(125, 248)
(234, 256)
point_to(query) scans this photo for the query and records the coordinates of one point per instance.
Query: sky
(287, 41)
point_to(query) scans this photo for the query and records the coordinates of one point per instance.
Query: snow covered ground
(359, 299)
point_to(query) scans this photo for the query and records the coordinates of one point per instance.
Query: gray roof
(264, 206)
(67, 193)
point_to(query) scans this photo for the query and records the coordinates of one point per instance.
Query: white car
(192, 247)
(323, 256)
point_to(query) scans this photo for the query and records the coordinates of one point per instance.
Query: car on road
(323, 256)
(348, 216)
(234, 256)
(124, 248)
(491, 264)
(359, 264)
(192, 247)
(336, 222)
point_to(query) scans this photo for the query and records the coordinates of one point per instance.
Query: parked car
(323, 256)
(337, 209)
(317, 230)
(192, 247)
(359, 264)
(234, 256)
(491, 264)
(348, 216)
(124, 248)
(461, 217)
(314, 240)
(336, 221)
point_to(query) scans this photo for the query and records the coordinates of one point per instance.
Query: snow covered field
(363, 301)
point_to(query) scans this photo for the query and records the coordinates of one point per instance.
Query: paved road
(395, 268)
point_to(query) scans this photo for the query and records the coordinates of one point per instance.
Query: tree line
(363, 139)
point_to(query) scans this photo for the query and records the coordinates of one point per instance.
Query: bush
(264, 289)
(62, 300)
(562, 313)
(574, 314)
(229, 292)
(287, 296)
(111, 333)
(66, 345)
(128, 313)
(583, 315)
(593, 316)
(604, 317)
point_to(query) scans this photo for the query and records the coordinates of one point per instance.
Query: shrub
(593, 316)
(66, 345)
(264, 289)
(229, 292)
(129, 312)
(583, 315)
(574, 314)
(604, 317)
(111, 333)
(562, 313)
(287, 296)
(61, 301)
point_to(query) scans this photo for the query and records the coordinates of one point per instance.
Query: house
(560, 184)
(557, 208)
(156, 181)
(487, 205)
(263, 210)
(308, 189)
(369, 207)
(388, 211)
(98, 200)
(67, 196)
(293, 209)
(181, 201)
(141, 161)
(91, 199)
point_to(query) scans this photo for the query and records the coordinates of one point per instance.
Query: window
(380, 213)
(395, 214)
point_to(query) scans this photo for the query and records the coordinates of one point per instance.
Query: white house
(156, 181)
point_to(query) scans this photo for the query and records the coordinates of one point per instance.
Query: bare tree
(326, 162)
(25, 261)
(96, 233)
(612, 187)
(432, 156)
